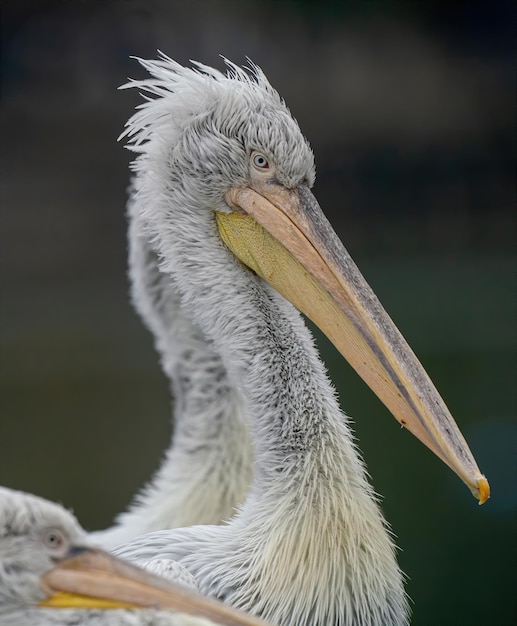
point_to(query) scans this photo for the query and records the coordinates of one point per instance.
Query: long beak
(97, 580)
(283, 236)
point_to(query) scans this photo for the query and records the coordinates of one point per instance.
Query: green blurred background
(409, 109)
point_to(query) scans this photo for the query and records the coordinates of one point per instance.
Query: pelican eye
(53, 539)
(260, 161)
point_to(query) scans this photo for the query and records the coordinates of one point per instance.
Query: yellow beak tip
(483, 489)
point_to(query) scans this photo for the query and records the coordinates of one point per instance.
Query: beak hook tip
(483, 489)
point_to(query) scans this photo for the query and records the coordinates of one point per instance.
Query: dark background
(409, 107)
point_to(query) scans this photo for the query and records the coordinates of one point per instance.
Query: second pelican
(50, 575)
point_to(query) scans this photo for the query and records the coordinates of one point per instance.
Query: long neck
(207, 468)
(310, 536)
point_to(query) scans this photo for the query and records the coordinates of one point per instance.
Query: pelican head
(50, 573)
(34, 536)
(222, 163)
(217, 132)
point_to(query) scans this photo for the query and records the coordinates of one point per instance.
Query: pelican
(222, 190)
(207, 469)
(51, 575)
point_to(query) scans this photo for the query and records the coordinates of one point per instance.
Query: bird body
(221, 187)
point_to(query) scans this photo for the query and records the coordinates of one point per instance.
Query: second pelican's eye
(260, 161)
(54, 539)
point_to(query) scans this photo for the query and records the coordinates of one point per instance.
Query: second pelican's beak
(283, 236)
(96, 580)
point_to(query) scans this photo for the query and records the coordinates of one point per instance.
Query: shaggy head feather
(203, 125)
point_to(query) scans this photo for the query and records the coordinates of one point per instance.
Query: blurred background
(409, 107)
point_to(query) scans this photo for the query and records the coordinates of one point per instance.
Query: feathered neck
(206, 471)
(310, 545)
